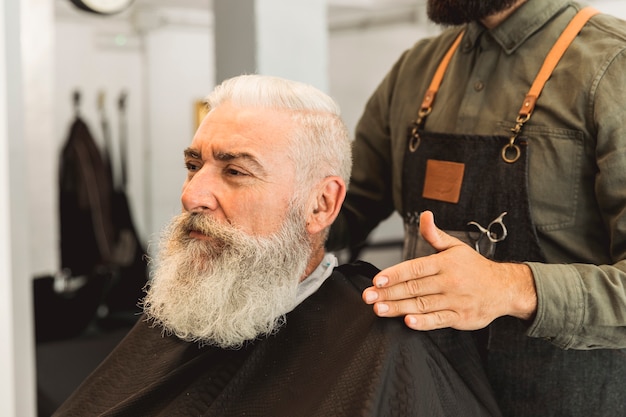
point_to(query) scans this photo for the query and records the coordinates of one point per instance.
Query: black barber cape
(333, 358)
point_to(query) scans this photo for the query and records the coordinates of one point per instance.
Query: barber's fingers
(432, 321)
(422, 313)
(415, 305)
(403, 290)
(430, 313)
(406, 271)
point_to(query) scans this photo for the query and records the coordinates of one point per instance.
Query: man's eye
(191, 167)
(233, 172)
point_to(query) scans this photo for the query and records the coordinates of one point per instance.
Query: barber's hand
(456, 287)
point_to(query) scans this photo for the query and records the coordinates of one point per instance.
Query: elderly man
(246, 314)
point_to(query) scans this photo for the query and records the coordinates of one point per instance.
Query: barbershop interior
(132, 76)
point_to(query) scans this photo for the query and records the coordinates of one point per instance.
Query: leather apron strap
(551, 61)
(511, 152)
(553, 58)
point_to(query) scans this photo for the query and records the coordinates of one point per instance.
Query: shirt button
(479, 85)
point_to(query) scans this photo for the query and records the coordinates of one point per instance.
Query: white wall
(614, 7)
(7, 348)
(17, 384)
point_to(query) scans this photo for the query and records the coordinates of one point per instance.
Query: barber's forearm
(573, 310)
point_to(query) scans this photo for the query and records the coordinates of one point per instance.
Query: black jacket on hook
(87, 231)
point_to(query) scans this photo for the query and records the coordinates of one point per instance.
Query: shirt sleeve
(580, 306)
(583, 306)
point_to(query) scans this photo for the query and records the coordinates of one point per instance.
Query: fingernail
(381, 281)
(382, 308)
(371, 296)
(412, 320)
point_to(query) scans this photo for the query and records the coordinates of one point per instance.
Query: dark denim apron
(531, 377)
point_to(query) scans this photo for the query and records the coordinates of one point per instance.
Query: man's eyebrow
(231, 156)
(192, 153)
(227, 157)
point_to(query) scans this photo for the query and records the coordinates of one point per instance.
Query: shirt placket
(484, 56)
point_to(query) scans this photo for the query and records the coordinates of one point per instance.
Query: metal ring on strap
(506, 150)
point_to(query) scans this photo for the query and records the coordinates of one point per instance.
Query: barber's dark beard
(229, 289)
(457, 12)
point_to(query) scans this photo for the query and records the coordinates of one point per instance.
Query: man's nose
(199, 192)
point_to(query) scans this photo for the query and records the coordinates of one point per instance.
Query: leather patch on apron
(443, 180)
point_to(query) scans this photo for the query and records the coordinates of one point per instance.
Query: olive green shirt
(577, 154)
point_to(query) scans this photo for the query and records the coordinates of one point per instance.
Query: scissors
(485, 239)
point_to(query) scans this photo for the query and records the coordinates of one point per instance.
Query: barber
(506, 159)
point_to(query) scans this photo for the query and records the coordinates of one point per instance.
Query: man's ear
(325, 204)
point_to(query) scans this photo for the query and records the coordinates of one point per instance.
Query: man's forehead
(250, 134)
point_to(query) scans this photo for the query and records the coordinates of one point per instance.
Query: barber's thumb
(436, 237)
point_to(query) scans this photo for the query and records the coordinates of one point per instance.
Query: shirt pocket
(555, 175)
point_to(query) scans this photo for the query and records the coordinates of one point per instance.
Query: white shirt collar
(312, 283)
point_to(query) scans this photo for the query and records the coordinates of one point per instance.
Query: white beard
(229, 289)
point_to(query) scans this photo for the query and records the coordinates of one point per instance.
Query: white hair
(321, 144)
(229, 290)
